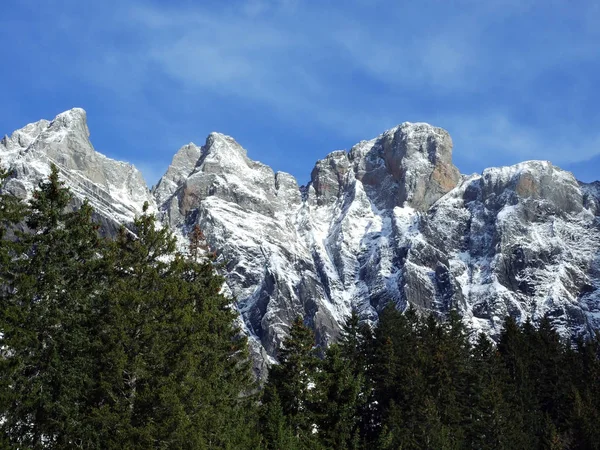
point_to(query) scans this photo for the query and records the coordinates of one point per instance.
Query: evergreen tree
(356, 347)
(585, 416)
(517, 351)
(293, 379)
(172, 368)
(116, 344)
(488, 423)
(445, 352)
(276, 431)
(355, 342)
(553, 383)
(12, 211)
(338, 401)
(432, 389)
(400, 382)
(44, 322)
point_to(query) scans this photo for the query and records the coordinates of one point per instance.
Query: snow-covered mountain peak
(223, 171)
(222, 155)
(221, 145)
(416, 130)
(507, 174)
(533, 181)
(329, 176)
(409, 164)
(391, 220)
(115, 189)
(182, 165)
(75, 118)
(21, 139)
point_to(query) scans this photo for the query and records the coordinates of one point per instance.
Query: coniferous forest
(126, 343)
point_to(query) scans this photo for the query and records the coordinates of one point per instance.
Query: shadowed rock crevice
(391, 220)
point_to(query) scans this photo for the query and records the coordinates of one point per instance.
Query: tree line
(127, 343)
(415, 382)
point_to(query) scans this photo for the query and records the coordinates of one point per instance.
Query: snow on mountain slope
(116, 190)
(391, 220)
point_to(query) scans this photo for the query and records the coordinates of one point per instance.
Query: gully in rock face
(391, 220)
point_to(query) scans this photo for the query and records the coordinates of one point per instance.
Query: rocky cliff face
(115, 189)
(390, 220)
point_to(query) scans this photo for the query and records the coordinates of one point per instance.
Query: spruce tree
(276, 431)
(12, 211)
(398, 379)
(553, 383)
(338, 401)
(515, 349)
(446, 354)
(488, 421)
(293, 379)
(116, 344)
(356, 347)
(585, 416)
(44, 322)
(172, 368)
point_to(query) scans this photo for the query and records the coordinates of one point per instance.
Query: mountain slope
(393, 220)
(390, 220)
(115, 189)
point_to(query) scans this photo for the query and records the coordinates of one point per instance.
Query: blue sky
(292, 80)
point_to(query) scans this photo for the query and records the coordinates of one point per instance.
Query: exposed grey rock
(115, 189)
(329, 176)
(392, 220)
(180, 169)
(409, 165)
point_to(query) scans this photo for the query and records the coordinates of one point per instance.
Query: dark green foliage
(291, 383)
(171, 365)
(420, 383)
(115, 344)
(338, 401)
(45, 319)
(12, 210)
(277, 433)
(127, 343)
(356, 348)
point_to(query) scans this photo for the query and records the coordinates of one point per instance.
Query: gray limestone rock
(181, 167)
(392, 220)
(408, 165)
(115, 189)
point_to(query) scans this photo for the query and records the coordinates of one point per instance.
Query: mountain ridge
(392, 219)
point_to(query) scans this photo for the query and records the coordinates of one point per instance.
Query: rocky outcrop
(413, 162)
(183, 164)
(115, 189)
(391, 220)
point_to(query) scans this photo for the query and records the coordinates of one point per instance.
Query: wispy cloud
(513, 78)
(492, 136)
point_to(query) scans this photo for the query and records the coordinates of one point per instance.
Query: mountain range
(390, 220)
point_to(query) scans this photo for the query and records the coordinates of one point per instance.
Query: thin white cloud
(227, 53)
(494, 136)
(300, 60)
(432, 61)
